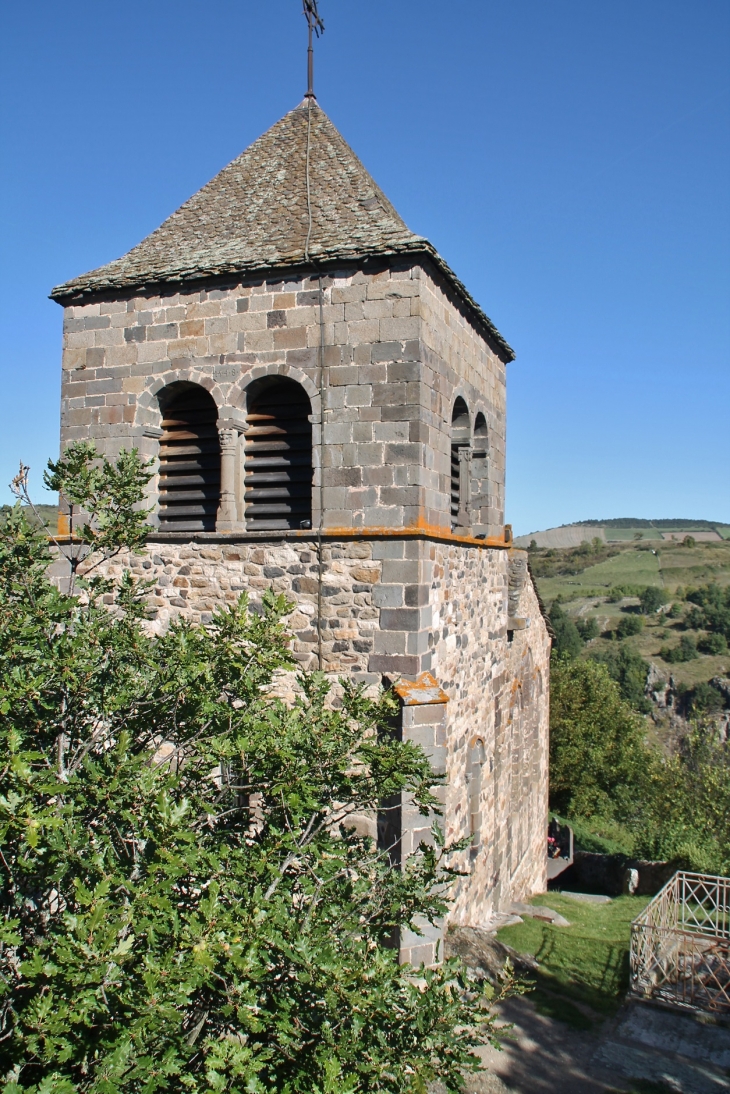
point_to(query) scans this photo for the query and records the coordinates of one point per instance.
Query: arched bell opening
(278, 455)
(481, 440)
(190, 459)
(460, 439)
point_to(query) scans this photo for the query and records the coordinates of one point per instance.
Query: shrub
(686, 816)
(704, 699)
(568, 641)
(651, 599)
(629, 625)
(630, 672)
(712, 643)
(587, 628)
(712, 609)
(685, 651)
(605, 775)
(618, 592)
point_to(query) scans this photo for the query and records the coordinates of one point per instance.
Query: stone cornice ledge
(442, 536)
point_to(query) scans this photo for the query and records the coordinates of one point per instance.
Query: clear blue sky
(570, 160)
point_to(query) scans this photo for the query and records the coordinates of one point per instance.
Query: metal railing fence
(680, 944)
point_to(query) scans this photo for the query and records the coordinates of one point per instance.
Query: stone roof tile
(254, 216)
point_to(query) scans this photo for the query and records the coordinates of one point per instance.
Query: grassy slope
(586, 963)
(47, 513)
(630, 567)
(673, 566)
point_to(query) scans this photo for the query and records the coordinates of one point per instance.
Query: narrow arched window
(476, 761)
(278, 455)
(460, 438)
(481, 439)
(190, 459)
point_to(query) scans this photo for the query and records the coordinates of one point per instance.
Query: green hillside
(670, 525)
(602, 582)
(47, 513)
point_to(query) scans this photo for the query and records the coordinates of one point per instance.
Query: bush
(568, 641)
(712, 609)
(704, 699)
(619, 592)
(686, 817)
(685, 651)
(694, 619)
(712, 643)
(651, 599)
(629, 625)
(187, 904)
(630, 672)
(587, 628)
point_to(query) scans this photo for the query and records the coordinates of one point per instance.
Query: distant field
(695, 565)
(631, 567)
(623, 530)
(47, 513)
(625, 535)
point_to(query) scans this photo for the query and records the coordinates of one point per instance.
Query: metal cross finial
(314, 23)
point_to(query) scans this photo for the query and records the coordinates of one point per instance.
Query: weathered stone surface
(485, 954)
(539, 911)
(386, 426)
(496, 689)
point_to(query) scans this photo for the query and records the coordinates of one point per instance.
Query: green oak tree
(188, 898)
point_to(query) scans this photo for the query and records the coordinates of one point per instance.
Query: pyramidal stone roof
(254, 216)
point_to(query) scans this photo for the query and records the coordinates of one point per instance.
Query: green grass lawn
(585, 964)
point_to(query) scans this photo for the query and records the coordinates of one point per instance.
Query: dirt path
(545, 1057)
(677, 1052)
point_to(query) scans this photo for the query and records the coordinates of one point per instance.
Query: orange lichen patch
(420, 692)
(432, 531)
(425, 532)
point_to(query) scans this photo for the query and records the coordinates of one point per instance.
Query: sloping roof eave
(86, 289)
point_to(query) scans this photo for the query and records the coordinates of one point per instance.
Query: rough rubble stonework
(383, 339)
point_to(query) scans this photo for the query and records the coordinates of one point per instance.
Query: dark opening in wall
(460, 438)
(190, 460)
(481, 439)
(278, 459)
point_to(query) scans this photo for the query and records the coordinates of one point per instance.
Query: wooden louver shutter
(190, 461)
(278, 468)
(460, 438)
(455, 483)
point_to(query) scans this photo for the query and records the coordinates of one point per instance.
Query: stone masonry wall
(192, 579)
(456, 360)
(497, 689)
(396, 354)
(498, 697)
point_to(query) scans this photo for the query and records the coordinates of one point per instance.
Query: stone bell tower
(324, 403)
